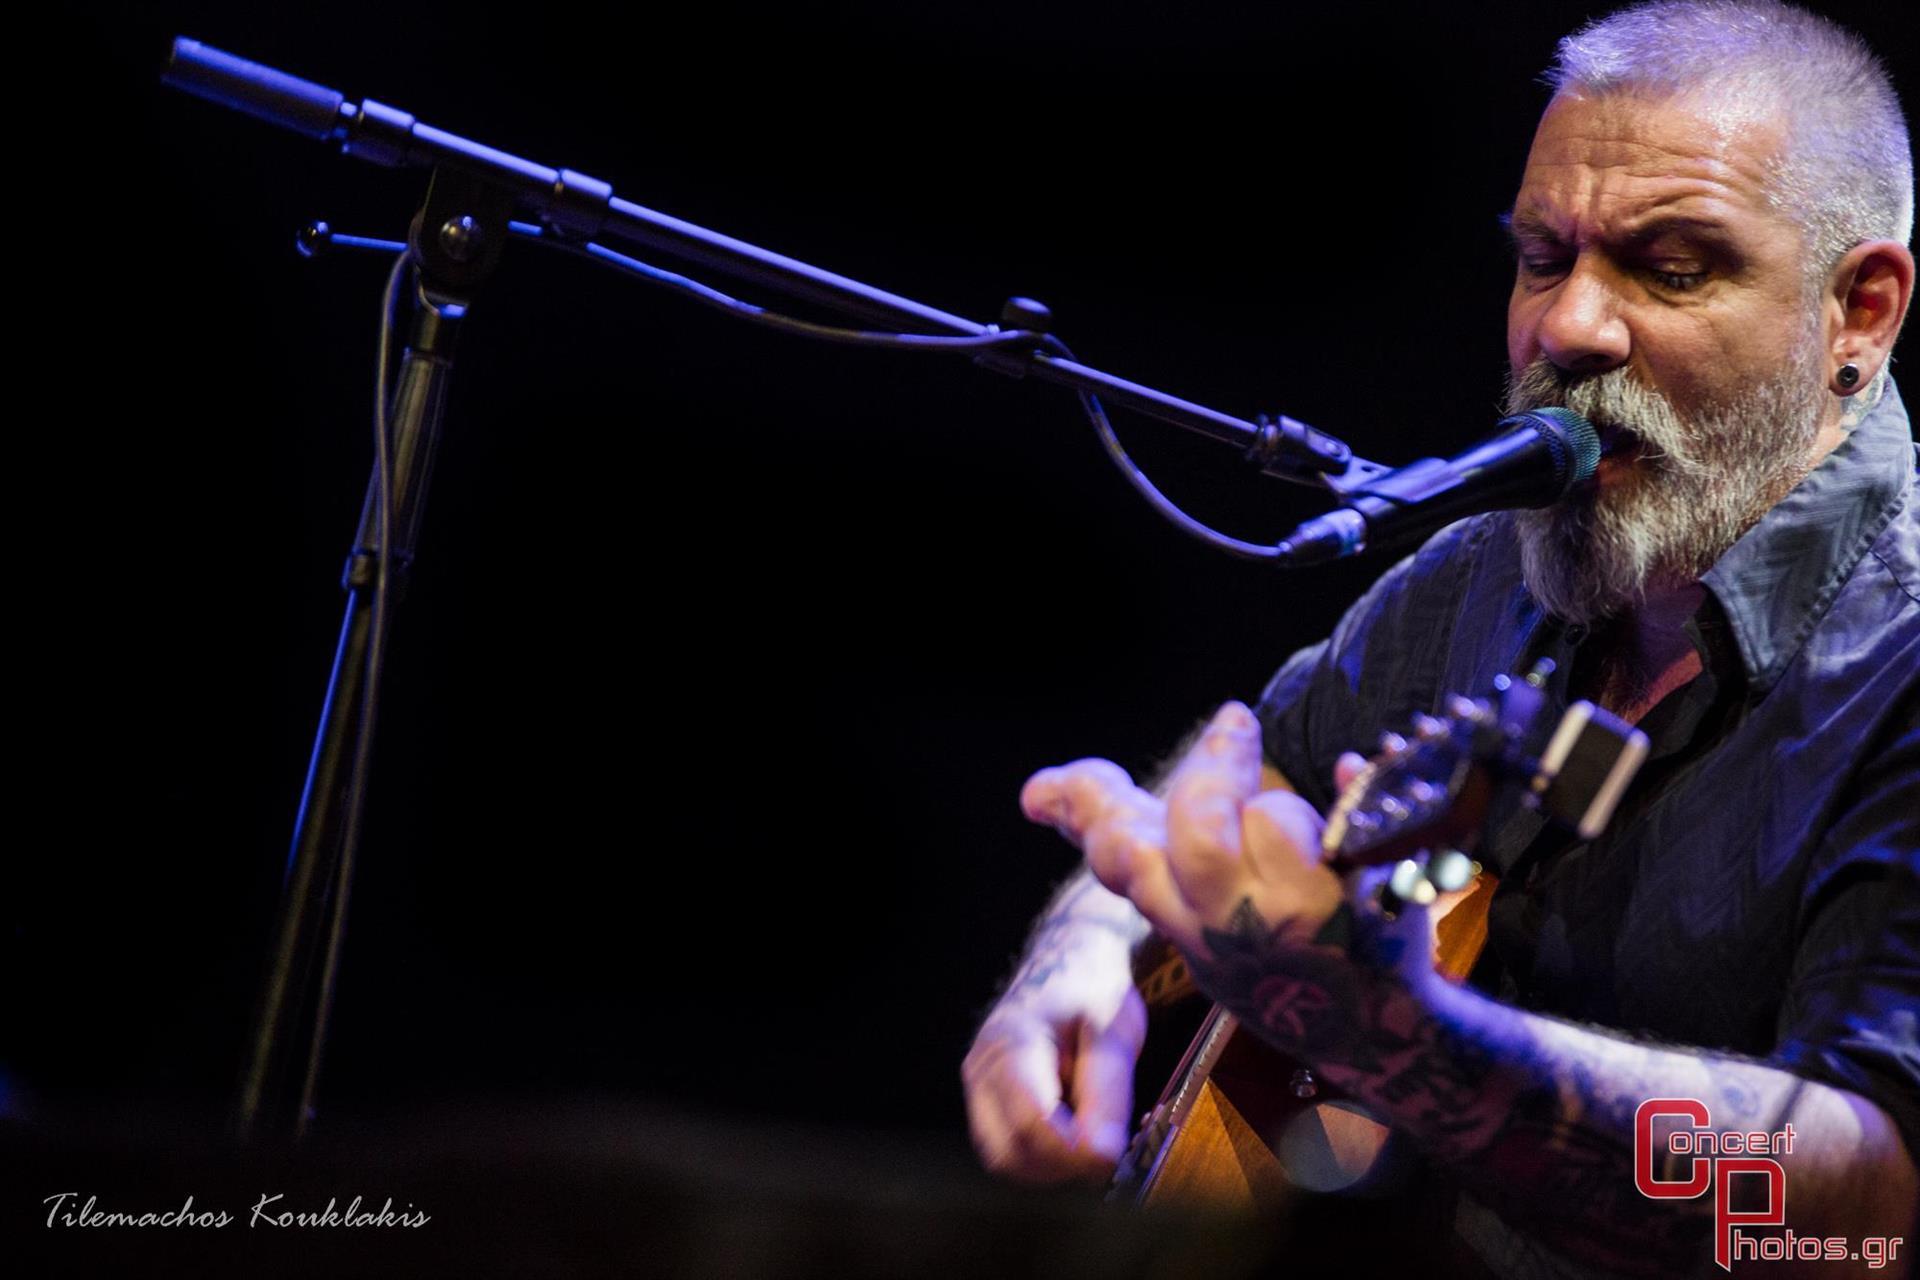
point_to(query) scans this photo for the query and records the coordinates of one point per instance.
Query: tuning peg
(1405, 881)
(1392, 744)
(1450, 870)
(1427, 727)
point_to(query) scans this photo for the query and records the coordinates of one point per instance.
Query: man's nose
(1581, 330)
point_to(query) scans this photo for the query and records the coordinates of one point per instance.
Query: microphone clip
(1291, 450)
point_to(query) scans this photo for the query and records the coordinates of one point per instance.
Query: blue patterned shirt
(1759, 890)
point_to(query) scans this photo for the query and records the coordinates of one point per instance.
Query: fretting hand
(1217, 849)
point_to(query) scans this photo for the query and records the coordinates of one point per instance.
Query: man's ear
(1866, 305)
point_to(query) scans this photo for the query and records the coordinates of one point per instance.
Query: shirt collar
(1779, 579)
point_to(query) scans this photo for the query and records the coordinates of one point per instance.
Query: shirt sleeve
(1383, 661)
(1849, 1016)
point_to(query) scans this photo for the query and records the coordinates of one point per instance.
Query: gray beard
(1697, 488)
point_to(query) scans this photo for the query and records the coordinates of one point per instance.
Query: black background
(727, 653)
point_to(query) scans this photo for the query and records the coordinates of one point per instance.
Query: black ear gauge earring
(1849, 376)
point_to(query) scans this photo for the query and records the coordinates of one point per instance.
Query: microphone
(1536, 461)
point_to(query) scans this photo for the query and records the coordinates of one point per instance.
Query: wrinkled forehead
(1605, 158)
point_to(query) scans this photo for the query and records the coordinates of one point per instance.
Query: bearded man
(1712, 266)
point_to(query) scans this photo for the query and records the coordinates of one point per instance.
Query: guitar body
(1250, 1127)
(1242, 1127)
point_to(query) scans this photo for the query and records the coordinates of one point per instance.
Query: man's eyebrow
(1527, 226)
(1685, 224)
(1531, 226)
(1527, 232)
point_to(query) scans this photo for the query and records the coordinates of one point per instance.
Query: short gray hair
(1846, 174)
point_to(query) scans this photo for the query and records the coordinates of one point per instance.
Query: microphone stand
(453, 244)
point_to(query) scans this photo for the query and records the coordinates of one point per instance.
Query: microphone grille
(1575, 443)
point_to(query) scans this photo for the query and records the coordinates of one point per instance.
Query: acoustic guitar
(1242, 1127)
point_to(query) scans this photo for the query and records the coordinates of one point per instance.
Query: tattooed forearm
(1082, 901)
(1535, 1116)
(1081, 913)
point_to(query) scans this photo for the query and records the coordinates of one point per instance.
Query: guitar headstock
(1421, 800)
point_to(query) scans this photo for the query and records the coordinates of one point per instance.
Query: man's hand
(1049, 1077)
(1216, 854)
(1049, 1080)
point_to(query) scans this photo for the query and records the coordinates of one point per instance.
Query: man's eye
(1543, 267)
(1679, 281)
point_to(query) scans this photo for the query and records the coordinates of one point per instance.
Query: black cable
(354, 801)
(755, 314)
(1130, 472)
(995, 339)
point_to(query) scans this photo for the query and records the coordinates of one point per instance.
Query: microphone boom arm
(578, 207)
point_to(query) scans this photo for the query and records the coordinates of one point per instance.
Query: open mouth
(1616, 440)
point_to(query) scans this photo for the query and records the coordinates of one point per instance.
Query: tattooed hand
(1233, 876)
(1217, 841)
